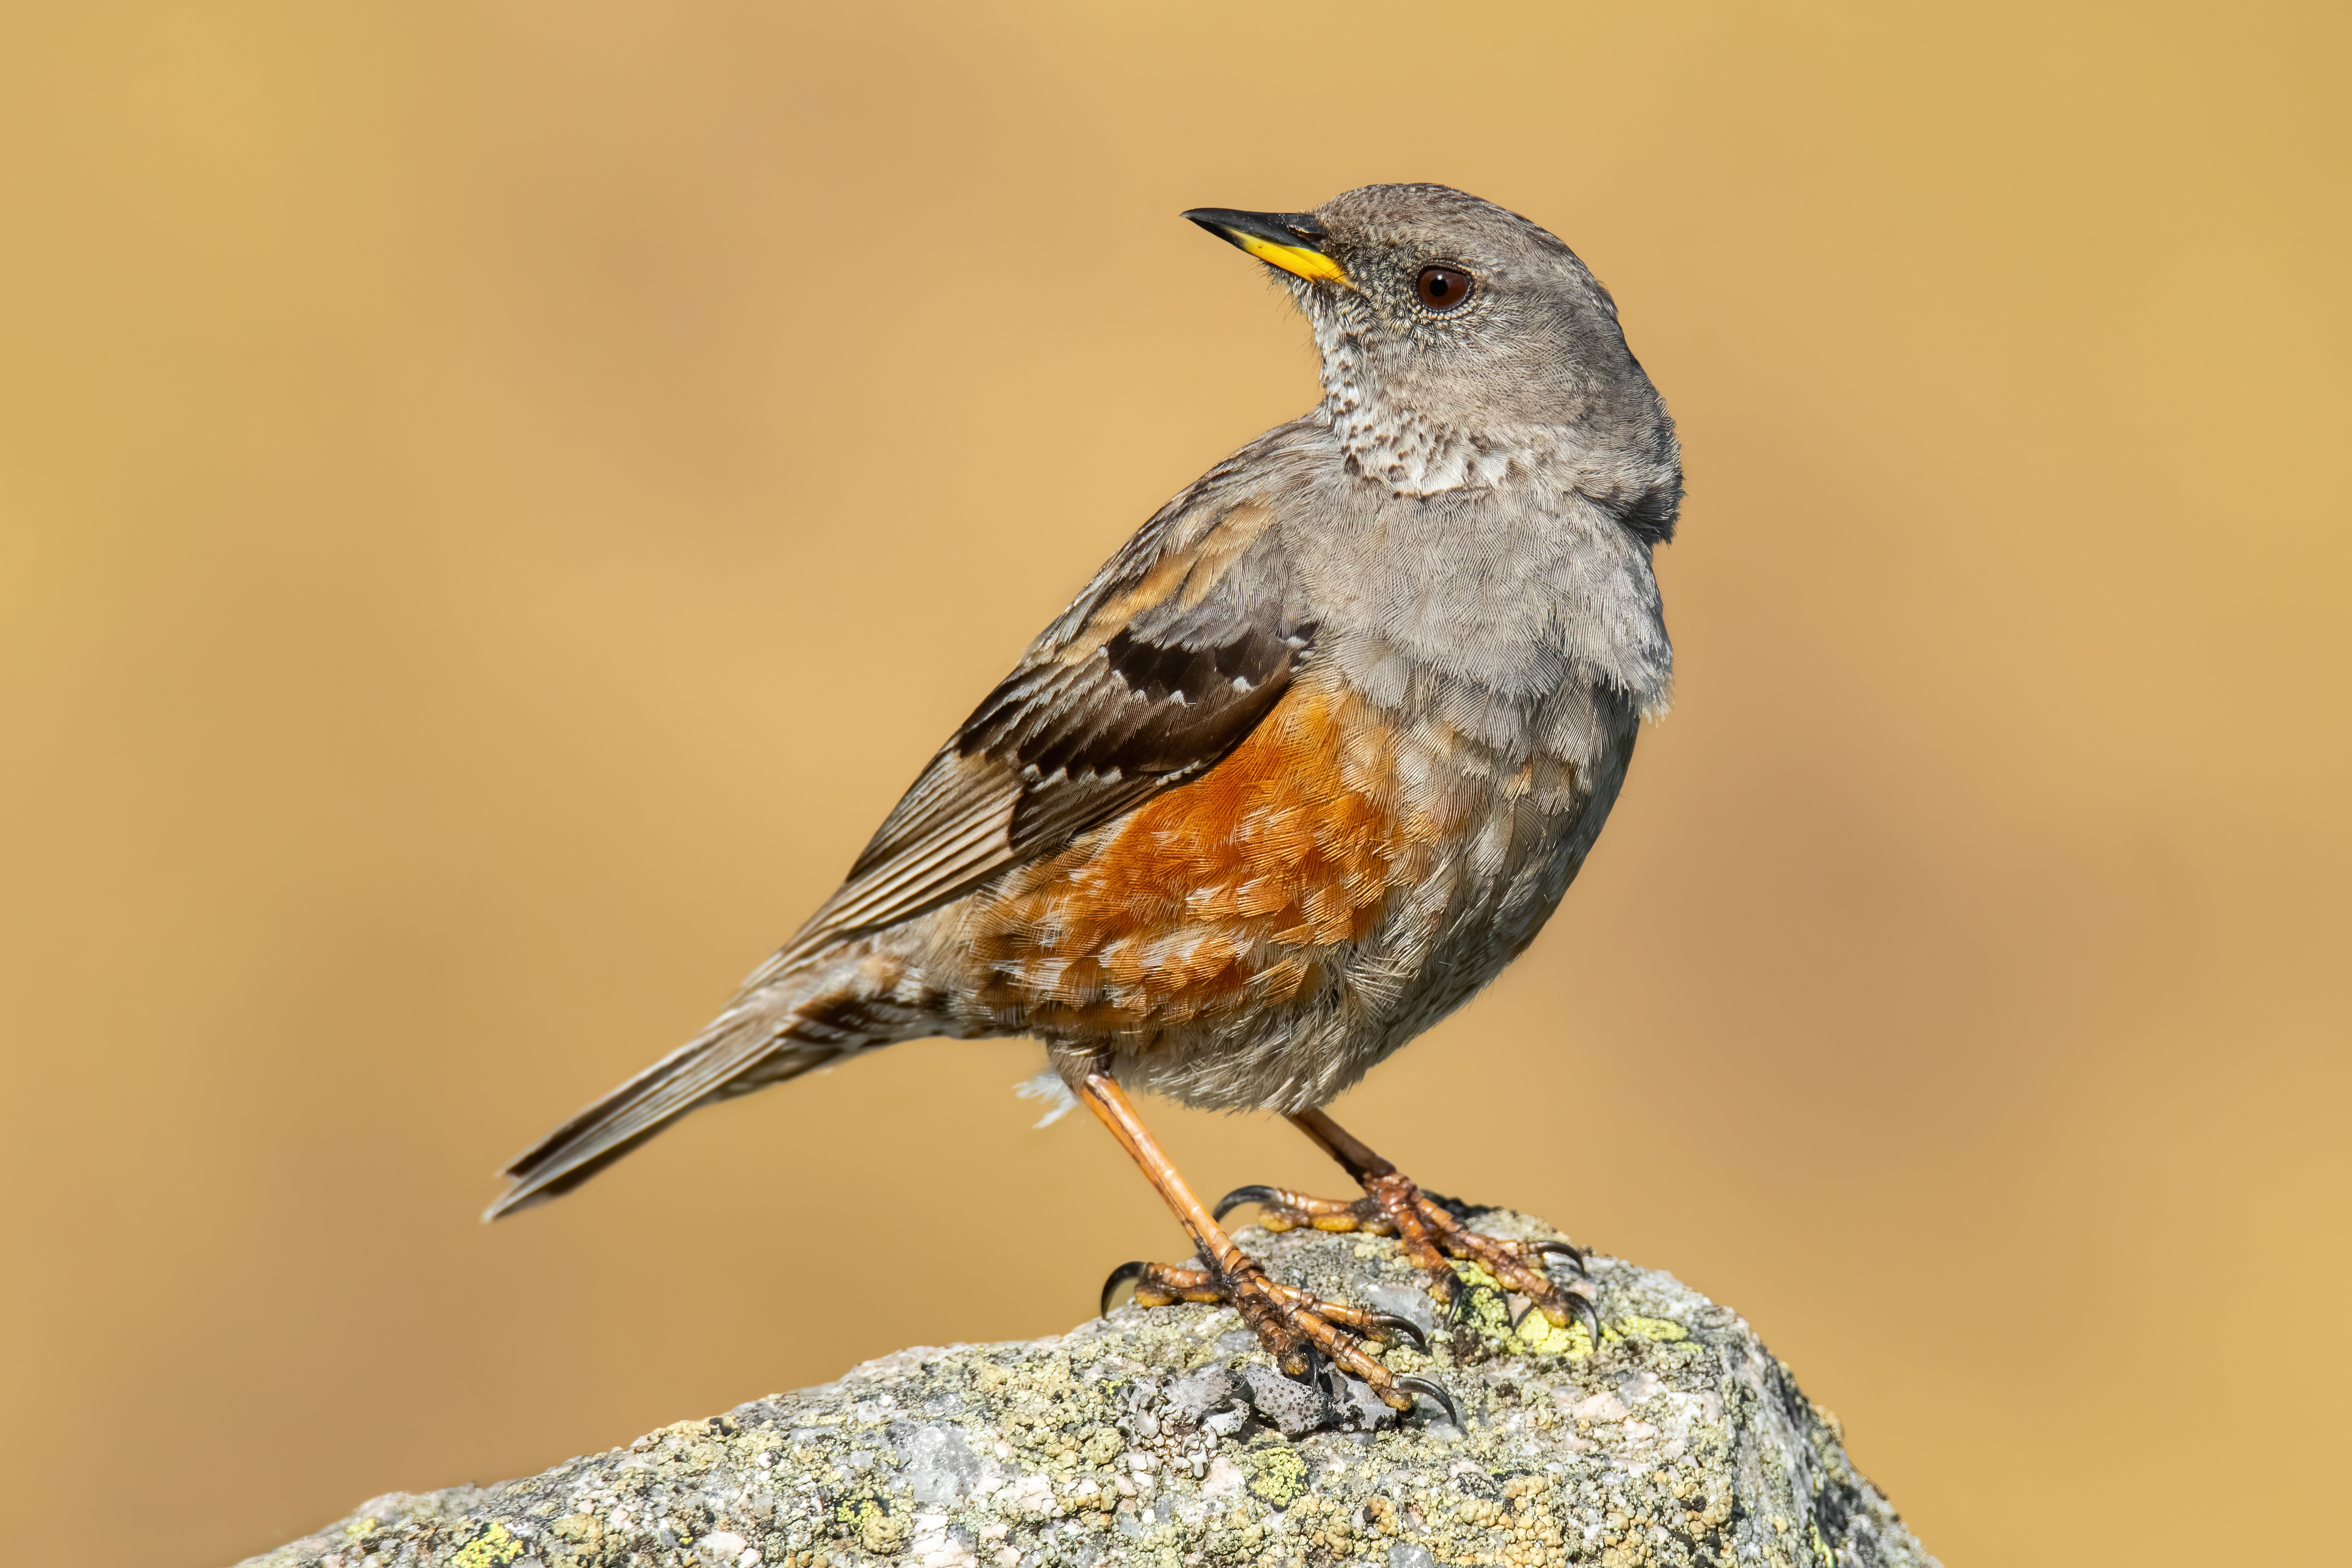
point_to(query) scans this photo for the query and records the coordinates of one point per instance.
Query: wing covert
(1176, 651)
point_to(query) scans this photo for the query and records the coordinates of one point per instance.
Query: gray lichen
(1164, 1439)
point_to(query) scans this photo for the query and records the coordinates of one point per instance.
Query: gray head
(1464, 346)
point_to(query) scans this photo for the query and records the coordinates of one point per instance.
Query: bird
(1309, 760)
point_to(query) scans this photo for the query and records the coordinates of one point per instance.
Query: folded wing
(1187, 639)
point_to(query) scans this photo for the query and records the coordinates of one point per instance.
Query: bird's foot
(1432, 1237)
(1294, 1326)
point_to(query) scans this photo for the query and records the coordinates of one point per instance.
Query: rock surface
(1164, 1439)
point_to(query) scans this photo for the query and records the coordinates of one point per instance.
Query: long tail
(747, 1047)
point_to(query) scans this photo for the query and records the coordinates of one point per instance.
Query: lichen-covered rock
(1164, 1439)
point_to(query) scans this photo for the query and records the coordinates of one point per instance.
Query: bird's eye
(1441, 287)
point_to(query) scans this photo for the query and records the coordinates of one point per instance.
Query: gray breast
(1509, 614)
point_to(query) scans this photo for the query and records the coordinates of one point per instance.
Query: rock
(1163, 1437)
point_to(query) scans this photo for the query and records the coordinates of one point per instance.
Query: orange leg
(1288, 1321)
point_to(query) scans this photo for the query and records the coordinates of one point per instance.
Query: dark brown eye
(1441, 287)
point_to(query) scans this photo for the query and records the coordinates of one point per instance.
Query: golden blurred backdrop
(496, 499)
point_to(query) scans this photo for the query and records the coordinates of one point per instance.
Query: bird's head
(1461, 343)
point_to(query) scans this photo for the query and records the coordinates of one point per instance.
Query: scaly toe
(1164, 1284)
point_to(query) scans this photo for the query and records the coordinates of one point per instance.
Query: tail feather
(739, 1044)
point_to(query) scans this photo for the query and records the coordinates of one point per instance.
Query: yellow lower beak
(1287, 240)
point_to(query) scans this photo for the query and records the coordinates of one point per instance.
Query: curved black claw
(1455, 1307)
(1127, 1273)
(1242, 1195)
(1433, 1391)
(1591, 1318)
(1575, 1256)
(1404, 1328)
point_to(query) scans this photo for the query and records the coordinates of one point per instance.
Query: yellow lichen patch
(493, 1548)
(1489, 1309)
(1278, 1476)
(1544, 1337)
(361, 1528)
(1651, 1328)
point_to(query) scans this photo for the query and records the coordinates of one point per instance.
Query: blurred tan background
(496, 499)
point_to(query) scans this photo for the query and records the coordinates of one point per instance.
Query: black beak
(1275, 228)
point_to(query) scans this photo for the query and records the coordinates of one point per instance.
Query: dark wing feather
(1175, 651)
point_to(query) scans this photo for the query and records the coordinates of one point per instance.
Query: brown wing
(1175, 651)
(1169, 659)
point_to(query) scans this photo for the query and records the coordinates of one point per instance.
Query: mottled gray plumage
(1312, 757)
